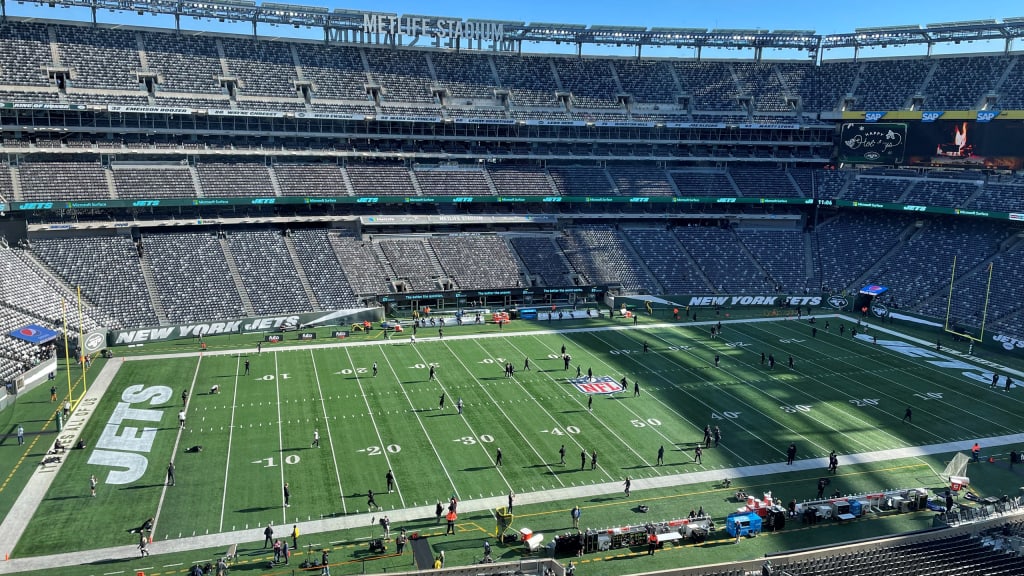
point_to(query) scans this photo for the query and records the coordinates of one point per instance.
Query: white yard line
(918, 364)
(380, 440)
(415, 411)
(174, 450)
(469, 426)
(280, 438)
(864, 383)
(725, 391)
(510, 421)
(231, 433)
(573, 438)
(327, 428)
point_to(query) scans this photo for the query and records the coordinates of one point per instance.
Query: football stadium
(406, 293)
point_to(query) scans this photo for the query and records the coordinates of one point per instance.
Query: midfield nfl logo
(599, 385)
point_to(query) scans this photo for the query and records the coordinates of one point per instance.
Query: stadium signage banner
(755, 301)
(838, 302)
(94, 341)
(880, 143)
(453, 219)
(406, 118)
(554, 122)
(42, 106)
(245, 325)
(330, 116)
(440, 295)
(695, 124)
(245, 113)
(619, 124)
(499, 121)
(149, 109)
(425, 26)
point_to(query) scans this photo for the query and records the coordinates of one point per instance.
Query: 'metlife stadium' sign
(391, 24)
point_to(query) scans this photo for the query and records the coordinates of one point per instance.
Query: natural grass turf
(370, 424)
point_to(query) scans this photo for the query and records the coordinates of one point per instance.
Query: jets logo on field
(597, 385)
(879, 310)
(838, 302)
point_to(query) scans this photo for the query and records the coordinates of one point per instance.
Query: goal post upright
(984, 311)
(988, 292)
(949, 298)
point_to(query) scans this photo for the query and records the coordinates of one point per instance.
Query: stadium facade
(180, 178)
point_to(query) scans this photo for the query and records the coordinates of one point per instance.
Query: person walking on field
(390, 479)
(497, 459)
(661, 455)
(627, 483)
(561, 455)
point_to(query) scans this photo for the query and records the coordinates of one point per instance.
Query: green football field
(843, 393)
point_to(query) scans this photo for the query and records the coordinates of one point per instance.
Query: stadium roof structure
(931, 34)
(349, 25)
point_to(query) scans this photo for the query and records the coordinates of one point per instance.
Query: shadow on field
(477, 469)
(60, 498)
(257, 509)
(109, 561)
(142, 486)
